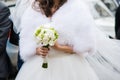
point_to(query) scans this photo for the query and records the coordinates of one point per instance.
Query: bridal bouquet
(46, 36)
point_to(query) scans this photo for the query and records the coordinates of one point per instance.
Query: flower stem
(45, 63)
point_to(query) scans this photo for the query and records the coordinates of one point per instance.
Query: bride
(68, 58)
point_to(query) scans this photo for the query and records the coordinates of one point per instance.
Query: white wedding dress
(76, 27)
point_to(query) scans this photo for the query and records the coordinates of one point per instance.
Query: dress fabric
(93, 58)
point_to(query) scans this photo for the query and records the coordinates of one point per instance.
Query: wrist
(66, 49)
(59, 47)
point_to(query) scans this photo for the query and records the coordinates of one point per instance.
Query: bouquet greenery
(46, 36)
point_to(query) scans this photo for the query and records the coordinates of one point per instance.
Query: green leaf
(37, 32)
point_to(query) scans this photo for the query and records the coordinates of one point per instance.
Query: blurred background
(103, 12)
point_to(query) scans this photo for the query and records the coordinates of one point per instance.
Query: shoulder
(2, 5)
(77, 7)
(4, 9)
(4, 12)
(81, 6)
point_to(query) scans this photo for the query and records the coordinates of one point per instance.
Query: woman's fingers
(43, 48)
(42, 51)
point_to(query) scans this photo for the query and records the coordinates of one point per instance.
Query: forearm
(66, 49)
(5, 25)
(4, 32)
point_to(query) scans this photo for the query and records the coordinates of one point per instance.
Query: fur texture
(72, 21)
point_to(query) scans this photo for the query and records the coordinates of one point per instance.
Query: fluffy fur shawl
(73, 22)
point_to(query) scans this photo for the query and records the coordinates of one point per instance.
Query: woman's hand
(42, 51)
(65, 48)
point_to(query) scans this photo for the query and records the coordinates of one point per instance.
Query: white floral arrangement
(46, 36)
